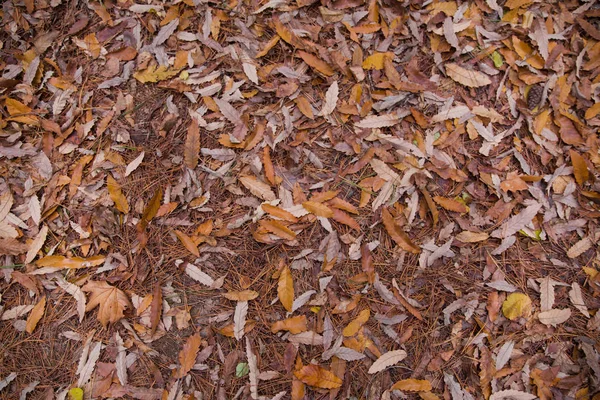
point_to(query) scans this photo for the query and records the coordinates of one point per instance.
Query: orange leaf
(318, 209)
(269, 171)
(187, 355)
(297, 389)
(278, 228)
(409, 307)
(191, 148)
(36, 314)
(228, 329)
(270, 44)
(352, 328)
(397, 234)
(110, 300)
(155, 308)
(188, 243)
(20, 112)
(316, 63)
(415, 385)
(294, 325)
(343, 205)
(116, 195)
(74, 262)
(242, 295)
(279, 213)
(580, 169)
(592, 111)
(304, 107)
(343, 218)
(451, 204)
(285, 288)
(314, 375)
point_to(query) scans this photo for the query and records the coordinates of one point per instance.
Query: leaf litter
(344, 198)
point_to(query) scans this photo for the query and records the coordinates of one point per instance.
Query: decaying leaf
(554, 317)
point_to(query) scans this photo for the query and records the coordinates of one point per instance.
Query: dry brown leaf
(279, 213)
(316, 63)
(258, 188)
(331, 99)
(316, 376)
(293, 325)
(243, 295)
(285, 288)
(116, 195)
(155, 307)
(580, 169)
(191, 148)
(277, 228)
(451, 204)
(352, 328)
(377, 60)
(268, 164)
(36, 314)
(386, 360)
(467, 77)
(412, 385)
(188, 243)
(397, 234)
(187, 355)
(36, 245)
(366, 260)
(472, 237)
(554, 317)
(74, 262)
(110, 300)
(304, 107)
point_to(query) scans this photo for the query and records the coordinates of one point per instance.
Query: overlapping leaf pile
(336, 199)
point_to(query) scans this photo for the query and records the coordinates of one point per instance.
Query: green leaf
(497, 59)
(76, 394)
(242, 370)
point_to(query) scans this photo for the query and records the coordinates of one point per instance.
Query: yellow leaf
(516, 305)
(428, 396)
(116, 195)
(592, 111)
(415, 385)
(318, 209)
(467, 77)
(278, 228)
(188, 243)
(153, 74)
(377, 61)
(74, 262)
(352, 328)
(285, 288)
(319, 377)
(19, 112)
(36, 314)
(191, 148)
(270, 44)
(242, 295)
(316, 63)
(110, 301)
(451, 204)
(76, 394)
(293, 325)
(187, 355)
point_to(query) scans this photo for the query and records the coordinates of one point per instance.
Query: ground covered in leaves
(300, 199)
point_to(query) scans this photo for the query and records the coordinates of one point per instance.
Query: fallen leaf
(293, 325)
(467, 77)
(554, 317)
(116, 195)
(577, 299)
(316, 63)
(579, 248)
(318, 209)
(352, 328)
(154, 74)
(412, 385)
(472, 237)
(277, 228)
(187, 355)
(244, 295)
(155, 307)
(516, 305)
(377, 60)
(451, 204)
(397, 234)
(110, 300)
(188, 243)
(580, 169)
(331, 99)
(36, 314)
(239, 319)
(316, 376)
(285, 288)
(36, 245)
(134, 164)
(258, 188)
(72, 263)
(387, 360)
(191, 148)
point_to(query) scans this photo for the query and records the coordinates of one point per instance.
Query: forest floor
(342, 199)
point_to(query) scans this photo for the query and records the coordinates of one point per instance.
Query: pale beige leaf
(89, 365)
(239, 319)
(16, 312)
(386, 360)
(258, 188)
(554, 317)
(252, 370)
(6, 202)
(517, 222)
(331, 98)
(77, 294)
(547, 293)
(378, 121)
(192, 145)
(577, 299)
(579, 248)
(121, 359)
(512, 394)
(132, 166)
(467, 77)
(472, 237)
(454, 112)
(198, 275)
(384, 171)
(35, 209)
(36, 245)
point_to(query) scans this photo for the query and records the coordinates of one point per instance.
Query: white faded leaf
(547, 293)
(577, 299)
(378, 121)
(454, 112)
(35, 209)
(383, 171)
(554, 317)
(327, 332)
(449, 33)
(308, 338)
(6, 202)
(467, 77)
(249, 68)
(76, 292)
(132, 166)
(258, 188)
(579, 248)
(504, 354)
(90, 364)
(61, 101)
(517, 222)
(16, 312)
(504, 245)
(229, 112)
(512, 394)
(253, 370)
(239, 319)
(198, 275)
(331, 98)
(302, 299)
(28, 389)
(348, 354)
(386, 360)
(121, 360)
(6, 381)
(36, 245)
